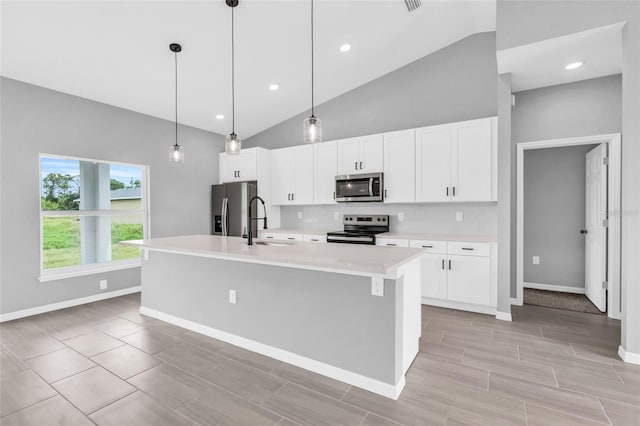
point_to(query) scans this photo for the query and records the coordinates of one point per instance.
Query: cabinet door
(469, 279)
(281, 176)
(433, 163)
(349, 156)
(371, 154)
(471, 160)
(325, 171)
(302, 165)
(227, 170)
(392, 242)
(399, 167)
(434, 276)
(247, 164)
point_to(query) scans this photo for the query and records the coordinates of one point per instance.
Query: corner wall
(37, 120)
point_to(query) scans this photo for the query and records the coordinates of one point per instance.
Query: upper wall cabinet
(456, 162)
(363, 154)
(240, 167)
(325, 156)
(399, 167)
(292, 175)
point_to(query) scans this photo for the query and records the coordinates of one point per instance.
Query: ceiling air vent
(412, 4)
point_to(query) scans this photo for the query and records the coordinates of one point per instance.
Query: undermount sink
(270, 243)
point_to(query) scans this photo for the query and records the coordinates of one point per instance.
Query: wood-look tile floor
(104, 363)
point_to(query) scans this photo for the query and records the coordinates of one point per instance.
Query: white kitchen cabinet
(239, 168)
(363, 154)
(456, 162)
(292, 175)
(469, 279)
(315, 238)
(268, 235)
(434, 276)
(392, 242)
(325, 157)
(291, 237)
(399, 167)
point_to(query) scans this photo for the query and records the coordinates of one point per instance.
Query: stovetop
(360, 229)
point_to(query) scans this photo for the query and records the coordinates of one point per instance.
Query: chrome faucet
(250, 218)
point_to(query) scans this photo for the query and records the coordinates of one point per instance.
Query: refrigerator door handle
(224, 217)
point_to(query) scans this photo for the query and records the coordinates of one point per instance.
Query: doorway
(600, 274)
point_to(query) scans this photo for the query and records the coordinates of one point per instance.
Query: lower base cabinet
(469, 279)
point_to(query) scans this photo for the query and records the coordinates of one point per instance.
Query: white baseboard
(514, 301)
(552, 287)
(67, 304)
(481, 309)
(503, 316)
(367, 383)
(630, 357)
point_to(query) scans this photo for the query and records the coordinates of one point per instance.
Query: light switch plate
(459, 216)
(232, 296)
(103, 284)
(299, 215)
(536, 260)
(377, 287)
(400, 216)
(336, 216)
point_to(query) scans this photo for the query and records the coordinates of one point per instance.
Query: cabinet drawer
(392, 242)
(436, 247)
(315, 238)
(291, 237)
(269, 236)
(467, 249)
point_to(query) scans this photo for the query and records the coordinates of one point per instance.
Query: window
(86, 208)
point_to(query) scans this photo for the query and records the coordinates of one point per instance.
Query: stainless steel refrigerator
(229, 203)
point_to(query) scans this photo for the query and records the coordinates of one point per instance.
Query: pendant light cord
(233, 79)
(312, 103)
(175, 56)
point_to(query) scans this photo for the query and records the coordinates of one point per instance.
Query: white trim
(503, 316)
(67, 304)
(514, 301)
(367, 383)
(83, 270)
(630, 357)
(552, 287)
(58, 213)
(613, 140)
(461, 306)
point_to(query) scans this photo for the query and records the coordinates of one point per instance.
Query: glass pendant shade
(232, 144)
(312, 130)
(176, 154)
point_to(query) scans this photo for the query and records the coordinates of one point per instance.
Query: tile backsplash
(478, 218)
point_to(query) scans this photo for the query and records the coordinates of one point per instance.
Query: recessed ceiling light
(274, 87)
(345, 47)
(573, 66)
(219, 116)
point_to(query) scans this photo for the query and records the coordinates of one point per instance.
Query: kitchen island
(349, 312)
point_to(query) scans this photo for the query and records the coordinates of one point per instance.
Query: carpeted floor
(558, 300)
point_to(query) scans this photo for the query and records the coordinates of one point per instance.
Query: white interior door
(596, 236)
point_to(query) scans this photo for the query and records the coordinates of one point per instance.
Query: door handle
(361, 165)
(584, 231)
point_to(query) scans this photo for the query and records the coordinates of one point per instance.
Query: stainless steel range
(360, 229)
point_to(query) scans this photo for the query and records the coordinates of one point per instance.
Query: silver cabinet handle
(314, 239)
(442, 263)
(361, 165)
(385, 193)
(269, 236)
(392, 244)
(447, 191)
(356, 165)
(293, 196)
(449, 264)
(454, 191)
(334, 195)
(427, 246)
(467, 248)
(289, 197)
(290, 238)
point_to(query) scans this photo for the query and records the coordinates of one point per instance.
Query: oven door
(365, 187)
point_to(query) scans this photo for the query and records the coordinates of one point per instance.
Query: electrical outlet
(336, 216)
(536, 260)
(232, 296)
(377, 287)
(459, 216)
(299, 215)
(103, 284)
(400, 217)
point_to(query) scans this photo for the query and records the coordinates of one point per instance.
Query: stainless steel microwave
(356, 188)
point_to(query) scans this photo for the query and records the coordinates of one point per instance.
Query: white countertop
(351, 259)
(399, 235)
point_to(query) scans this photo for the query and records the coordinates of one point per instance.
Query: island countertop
(350, 259)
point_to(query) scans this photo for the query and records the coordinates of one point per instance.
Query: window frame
(65, 272)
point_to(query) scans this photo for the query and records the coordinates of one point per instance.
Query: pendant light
(232, 142)
(312, 125)
(176, 152)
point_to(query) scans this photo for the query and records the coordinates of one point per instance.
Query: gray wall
(554, 213)
(522, 22)
(453, 84)
(37, 120)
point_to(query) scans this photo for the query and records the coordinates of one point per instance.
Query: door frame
(613, 141)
